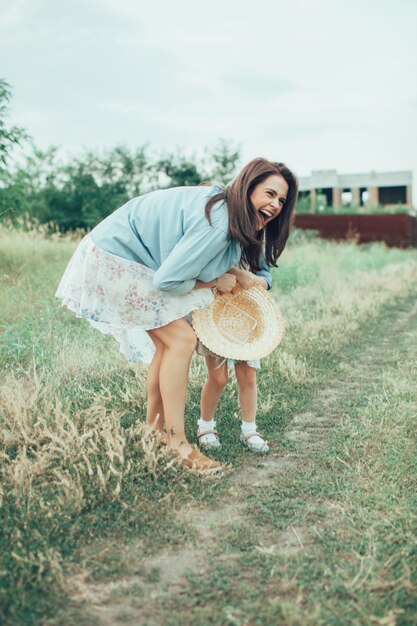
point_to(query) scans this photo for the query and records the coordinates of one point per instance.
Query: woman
(146, 266)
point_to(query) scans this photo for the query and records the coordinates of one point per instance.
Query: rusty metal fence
(398, 229)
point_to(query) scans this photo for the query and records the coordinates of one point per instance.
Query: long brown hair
(242, 214)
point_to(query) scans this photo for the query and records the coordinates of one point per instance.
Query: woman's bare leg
(247, 390)
(155, 410)
(213, 387)
(179, 341)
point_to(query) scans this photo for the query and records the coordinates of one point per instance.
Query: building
(328, 188)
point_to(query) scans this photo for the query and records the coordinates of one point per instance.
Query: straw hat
(243, 326)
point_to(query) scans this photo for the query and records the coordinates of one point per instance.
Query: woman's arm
(264, 274)
(196, 248)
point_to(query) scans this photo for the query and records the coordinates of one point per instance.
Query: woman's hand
(226, 283)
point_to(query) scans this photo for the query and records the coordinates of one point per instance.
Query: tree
(10, 136)
(226, 160)
(78, 192)
(179, 170)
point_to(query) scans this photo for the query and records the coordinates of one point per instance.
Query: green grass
(350, 509)
(82, 482)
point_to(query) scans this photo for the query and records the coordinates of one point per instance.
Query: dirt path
(111, 602)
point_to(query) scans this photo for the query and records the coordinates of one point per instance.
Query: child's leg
(247, 390)
(210, 396)
(213, 387)
(248, 393)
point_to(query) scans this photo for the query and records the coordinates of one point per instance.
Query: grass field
(99, 526)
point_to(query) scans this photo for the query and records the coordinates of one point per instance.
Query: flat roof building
(328, 188)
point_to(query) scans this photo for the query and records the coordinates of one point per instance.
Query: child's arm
(261, 281)
(224, 283)
(247, 280)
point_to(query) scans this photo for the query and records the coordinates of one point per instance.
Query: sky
(318, 84)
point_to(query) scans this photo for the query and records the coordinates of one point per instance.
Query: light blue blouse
(167, 231)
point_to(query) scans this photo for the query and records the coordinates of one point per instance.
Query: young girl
(245, 371)
(140, 272)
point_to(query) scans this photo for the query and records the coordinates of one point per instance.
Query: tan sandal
(201, 463)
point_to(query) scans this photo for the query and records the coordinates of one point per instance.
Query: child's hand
(245, 279)
(226, 283)
(259, 280)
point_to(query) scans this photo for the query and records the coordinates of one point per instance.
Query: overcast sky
(318, 84)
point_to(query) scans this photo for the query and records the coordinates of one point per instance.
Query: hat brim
(243, 326)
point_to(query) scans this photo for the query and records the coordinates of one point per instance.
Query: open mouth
(264, 215)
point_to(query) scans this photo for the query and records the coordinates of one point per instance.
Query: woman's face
(268, 198)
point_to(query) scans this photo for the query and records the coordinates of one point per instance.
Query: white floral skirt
(118, 298)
